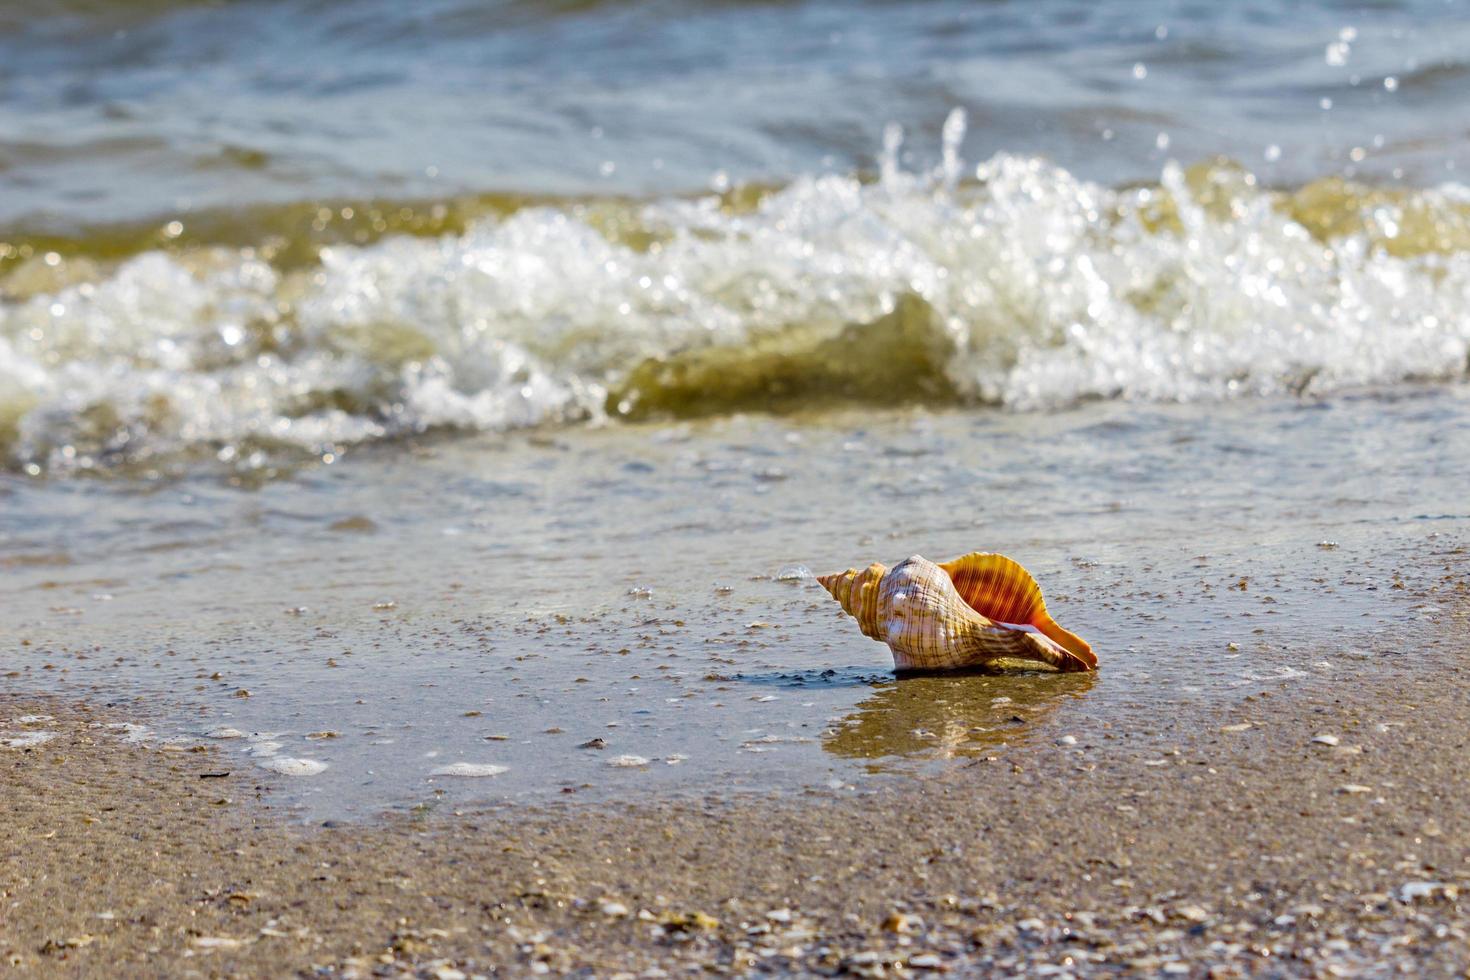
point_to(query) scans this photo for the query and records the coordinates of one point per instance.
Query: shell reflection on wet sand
(950, 716)
(980, 610)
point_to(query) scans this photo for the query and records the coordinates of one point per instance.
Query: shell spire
(977, 610)
(998, 588)
(857, 593)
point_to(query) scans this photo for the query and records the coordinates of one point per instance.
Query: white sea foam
(1048, 290)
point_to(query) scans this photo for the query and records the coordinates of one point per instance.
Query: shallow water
(501, 601)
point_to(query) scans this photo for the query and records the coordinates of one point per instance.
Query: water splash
(953, 136)
(1023, 287)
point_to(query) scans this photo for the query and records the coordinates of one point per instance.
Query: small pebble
(903, 923)
(1413, 891)
(215, 942)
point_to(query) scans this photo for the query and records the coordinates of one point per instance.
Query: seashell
(977, 610)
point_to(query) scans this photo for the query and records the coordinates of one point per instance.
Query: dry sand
(1195, 847)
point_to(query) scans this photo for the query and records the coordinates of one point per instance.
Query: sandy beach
(1304, 832)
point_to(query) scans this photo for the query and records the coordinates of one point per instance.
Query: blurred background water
(135, 110)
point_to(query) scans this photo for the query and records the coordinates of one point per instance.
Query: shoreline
(1192, 844)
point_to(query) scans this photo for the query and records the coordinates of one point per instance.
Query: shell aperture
(998, 588)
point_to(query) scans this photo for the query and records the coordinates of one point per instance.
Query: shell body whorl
(929, 624)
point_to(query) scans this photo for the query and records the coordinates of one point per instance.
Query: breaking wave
(1012, 283)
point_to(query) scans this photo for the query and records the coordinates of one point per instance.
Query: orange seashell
(998, 588)
(977, 610)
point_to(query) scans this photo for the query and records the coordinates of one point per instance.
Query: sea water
(449, 402)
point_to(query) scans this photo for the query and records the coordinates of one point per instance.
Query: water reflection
(951, 716)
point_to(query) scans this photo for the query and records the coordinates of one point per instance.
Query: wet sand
(502, 600)
(1196, 845)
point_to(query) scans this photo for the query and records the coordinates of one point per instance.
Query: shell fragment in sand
(469, 770)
